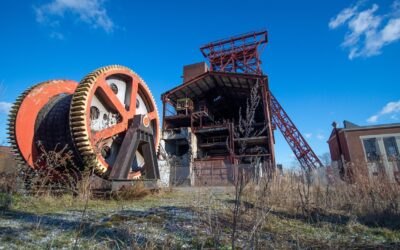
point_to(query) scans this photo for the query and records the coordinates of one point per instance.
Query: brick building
(375, 147)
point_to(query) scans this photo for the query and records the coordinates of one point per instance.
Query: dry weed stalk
(372, 200)
(254, 165)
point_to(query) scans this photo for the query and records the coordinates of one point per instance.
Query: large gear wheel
(102, 108)
(89, 119)
(29, 114)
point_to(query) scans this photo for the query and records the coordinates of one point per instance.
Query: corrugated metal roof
(232, 84)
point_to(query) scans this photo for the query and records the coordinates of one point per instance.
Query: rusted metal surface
(219, 94)
(234, 84)
(236, 54)
(90, 141)
(301, 149)
(25, 113)
(139, 135)
(217, 97)
(212, 173)
(240, 54)
(90, 119)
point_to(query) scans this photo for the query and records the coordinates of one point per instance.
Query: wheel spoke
(109, 132)
(112, 99)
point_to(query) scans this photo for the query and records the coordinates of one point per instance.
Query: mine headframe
(236, 54)
(241, 54)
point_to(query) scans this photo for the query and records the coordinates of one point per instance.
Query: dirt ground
(184, 218)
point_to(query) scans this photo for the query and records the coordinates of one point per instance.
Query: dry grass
(134, 192)
(371, 201)
(282, 212)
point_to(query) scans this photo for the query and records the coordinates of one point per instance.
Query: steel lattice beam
(236, 54)
(241, 54)
(303, 152)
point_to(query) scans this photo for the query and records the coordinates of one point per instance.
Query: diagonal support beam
(137, 137)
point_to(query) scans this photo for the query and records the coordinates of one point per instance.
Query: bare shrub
(134, 192)
(248, 176)
(55, 172)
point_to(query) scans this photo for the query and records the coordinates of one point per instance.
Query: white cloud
(373, 119)
(342, 17)
(391, 108)
(91, 12)
(5, 107)
(57, 35)
(368, 32)
(319, 136)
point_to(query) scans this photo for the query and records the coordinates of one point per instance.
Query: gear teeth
(80, 134)
(78, 123)
(77, 114)
(81, 139)
(79, 109)
(86, 152)
(80, 93)
(83, 144)
(86, 149)
(12, 115)
(78, 129)
(80, 98)
(79, 102)
(77, 118)
(12, 120)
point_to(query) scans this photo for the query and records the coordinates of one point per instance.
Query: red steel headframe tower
(237, 54)
(241, 54)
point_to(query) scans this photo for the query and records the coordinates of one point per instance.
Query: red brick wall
(352, 146)
(193, 70)
(355, 144)
(334, 148)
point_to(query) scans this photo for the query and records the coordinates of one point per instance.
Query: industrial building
(199, 131)
(211, 124)
(375, 148)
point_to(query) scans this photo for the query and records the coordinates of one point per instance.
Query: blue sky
(326, 60)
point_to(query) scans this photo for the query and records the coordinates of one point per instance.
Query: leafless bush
(134, 192)
(254, 165)
(55, 172)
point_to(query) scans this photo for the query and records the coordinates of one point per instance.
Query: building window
(391, 148)
(371, 149)
(392, 152)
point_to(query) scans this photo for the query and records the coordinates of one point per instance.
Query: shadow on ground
(114, 227)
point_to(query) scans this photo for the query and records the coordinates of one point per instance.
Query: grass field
(184, 218)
